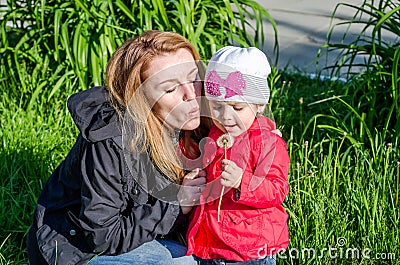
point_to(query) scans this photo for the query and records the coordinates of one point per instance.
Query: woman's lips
(194, 112)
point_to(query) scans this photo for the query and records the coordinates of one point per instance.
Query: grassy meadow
(342, 137)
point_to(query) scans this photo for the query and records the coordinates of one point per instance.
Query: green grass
(342, 184)
(343, 193)
(32, 145)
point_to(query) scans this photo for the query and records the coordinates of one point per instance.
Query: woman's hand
(193, 185)
(231, 175)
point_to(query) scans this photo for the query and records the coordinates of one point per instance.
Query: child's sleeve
(268, 185)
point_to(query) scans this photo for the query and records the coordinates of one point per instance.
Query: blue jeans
(270, 260)
(156, 252)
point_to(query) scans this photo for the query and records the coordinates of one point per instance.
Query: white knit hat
(238, 75)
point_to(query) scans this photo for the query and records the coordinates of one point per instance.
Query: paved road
(302, 29)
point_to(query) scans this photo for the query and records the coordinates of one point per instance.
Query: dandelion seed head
(225, 141)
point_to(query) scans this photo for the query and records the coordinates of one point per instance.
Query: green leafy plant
(53, 48)
(372, 58)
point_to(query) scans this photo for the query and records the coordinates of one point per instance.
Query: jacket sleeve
(267, 185)
(111, 224)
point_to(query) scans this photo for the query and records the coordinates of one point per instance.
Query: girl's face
(233, 117)
(171, 89)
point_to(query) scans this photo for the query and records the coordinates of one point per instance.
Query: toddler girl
(246, 163)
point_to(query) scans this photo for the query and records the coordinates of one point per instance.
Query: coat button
(135, 191)
(72, 232)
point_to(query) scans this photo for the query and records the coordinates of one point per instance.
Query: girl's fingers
(226, 176)
(226, 183)
(231, 169)
(224, 164)
(225, 161)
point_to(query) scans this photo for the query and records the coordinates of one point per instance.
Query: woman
(113, 196)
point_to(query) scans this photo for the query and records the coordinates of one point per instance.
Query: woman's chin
(191, 124)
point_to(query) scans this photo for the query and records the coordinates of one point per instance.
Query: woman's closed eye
(172, 89)
(176, 86)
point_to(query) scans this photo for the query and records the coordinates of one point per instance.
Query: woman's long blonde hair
(125, 74)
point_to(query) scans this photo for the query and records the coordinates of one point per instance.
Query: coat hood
(94, 114)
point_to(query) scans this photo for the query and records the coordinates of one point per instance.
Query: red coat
(253, 222)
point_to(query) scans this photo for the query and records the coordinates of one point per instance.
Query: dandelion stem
(220, 202)
(225, 144)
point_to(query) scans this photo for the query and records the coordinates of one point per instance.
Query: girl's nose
(189, 92)
(226, 113)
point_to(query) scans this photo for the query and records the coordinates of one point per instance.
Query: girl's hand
(231, 175)
(193, 185)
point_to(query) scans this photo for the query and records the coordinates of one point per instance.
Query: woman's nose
(189, 92)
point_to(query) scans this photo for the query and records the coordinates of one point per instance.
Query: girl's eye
(238, 108)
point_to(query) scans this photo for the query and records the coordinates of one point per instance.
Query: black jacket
(93, 202)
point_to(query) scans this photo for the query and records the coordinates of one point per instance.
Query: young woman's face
(171, 89)
(233, 117)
